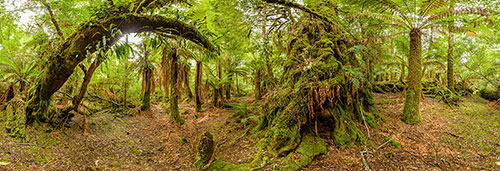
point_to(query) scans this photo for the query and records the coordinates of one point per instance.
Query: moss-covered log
(85, 40)
(321, 78)
(489, 94)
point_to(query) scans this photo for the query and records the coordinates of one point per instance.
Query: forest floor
(465, 137)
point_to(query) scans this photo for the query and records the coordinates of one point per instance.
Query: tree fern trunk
(197, 85)
(411, 112)
(174, 94)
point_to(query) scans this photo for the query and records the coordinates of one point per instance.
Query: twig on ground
(365, 163)
(367, 168)
(51, 162)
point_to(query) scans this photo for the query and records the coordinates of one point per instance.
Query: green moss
(393, 142)
(15, 120)
(411, 112)
(183, 141)
(305, 153)
(225, 166)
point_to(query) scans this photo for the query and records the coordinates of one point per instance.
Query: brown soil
(149, 142)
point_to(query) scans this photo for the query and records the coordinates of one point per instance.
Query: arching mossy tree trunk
(411, 112)
(325, 81)
(85, 40)
(174, 88)
(197, 85)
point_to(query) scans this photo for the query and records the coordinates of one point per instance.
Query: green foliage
(393, 142)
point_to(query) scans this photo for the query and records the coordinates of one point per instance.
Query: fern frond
(378, 16)
(457, 12)
(429, 6)
(380, 5)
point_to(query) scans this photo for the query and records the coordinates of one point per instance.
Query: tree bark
(165, 74)
(76, 48)
(174, 91)
(147, 75)
(189, 93)
(411, 112)
(218, 89)
(403, 74)
(228, 86)
(197, 86)
(258, 87)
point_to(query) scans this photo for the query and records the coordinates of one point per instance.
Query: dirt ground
(457, 138)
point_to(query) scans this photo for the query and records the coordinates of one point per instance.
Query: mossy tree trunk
(411, 112)
(326, 80)
(228, 86)
(76, 48)
(165, 74)
(258, 87)
(218, 98)
(174, 89)
(197, 85)
(147, 76)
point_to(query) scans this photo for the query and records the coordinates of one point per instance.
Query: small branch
(367, 168)
(303, 8)
(54, 21)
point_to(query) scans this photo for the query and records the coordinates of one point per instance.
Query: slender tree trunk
(165, 75)
(402, 77)
(258, 87)
(189, 93)
(228, 87)
(77, 99)
(411, 112)
(197, 86)
(218, 102)
(125, 82)
(22, 86)
(174, 92)
(147, 76)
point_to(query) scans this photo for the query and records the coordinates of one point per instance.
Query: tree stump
(206, 151)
